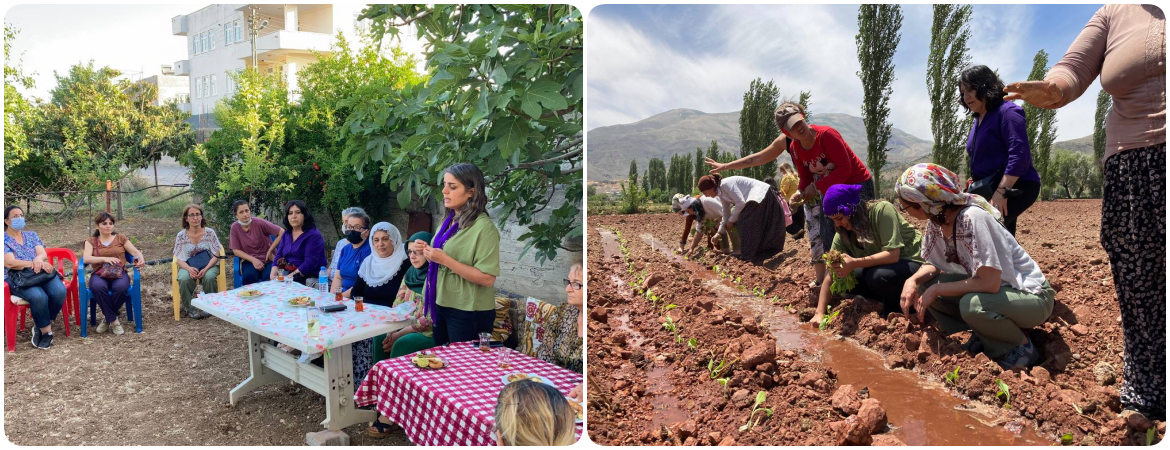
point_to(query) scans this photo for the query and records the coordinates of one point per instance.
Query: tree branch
(529, 165)
(407, 20)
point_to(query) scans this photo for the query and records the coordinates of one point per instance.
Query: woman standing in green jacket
(465, 257)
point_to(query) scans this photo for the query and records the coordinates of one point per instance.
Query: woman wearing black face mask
(357, 232)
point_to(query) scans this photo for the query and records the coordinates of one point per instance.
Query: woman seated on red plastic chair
(24, 250)
(110, 283)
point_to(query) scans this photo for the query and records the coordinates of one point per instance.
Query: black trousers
(456, 325)
(1029, 192)
(797, 220)
(884, 283)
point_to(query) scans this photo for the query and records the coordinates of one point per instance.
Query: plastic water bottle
(322, 282)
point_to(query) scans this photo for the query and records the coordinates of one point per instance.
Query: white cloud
(634, 75)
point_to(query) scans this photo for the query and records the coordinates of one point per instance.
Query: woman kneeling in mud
(976, 276)
(879, 247)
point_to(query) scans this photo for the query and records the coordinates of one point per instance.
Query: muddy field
(166, 386)
(816, 382)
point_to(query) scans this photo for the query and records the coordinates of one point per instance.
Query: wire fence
(140, 193)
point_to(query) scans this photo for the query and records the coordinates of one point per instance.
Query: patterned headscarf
(676, 203)
(933, 186)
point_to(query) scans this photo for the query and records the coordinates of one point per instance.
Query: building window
(227, 34)
(239, 32)
(198, 44)
(213, 85)
(203, 37)
(211, 38)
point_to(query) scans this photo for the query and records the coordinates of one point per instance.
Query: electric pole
(252, 28)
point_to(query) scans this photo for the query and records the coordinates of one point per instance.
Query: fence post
(121, 212)
(156, 176)
(108, 184)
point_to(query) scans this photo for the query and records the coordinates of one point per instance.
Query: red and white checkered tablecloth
(455, 405)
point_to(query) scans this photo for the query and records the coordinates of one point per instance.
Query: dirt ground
(166, 386)
(639, 371)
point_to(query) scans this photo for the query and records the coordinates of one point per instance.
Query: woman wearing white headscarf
(377, 283)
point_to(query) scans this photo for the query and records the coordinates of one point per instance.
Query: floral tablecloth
(271, 315)
(455, 405)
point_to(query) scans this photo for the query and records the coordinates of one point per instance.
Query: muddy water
(659, 389)
(919, 413)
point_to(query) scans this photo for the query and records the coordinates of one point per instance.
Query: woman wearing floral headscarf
(705, 210)
(880, 247)
(976, 276)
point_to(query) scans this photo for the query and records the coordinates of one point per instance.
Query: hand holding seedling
(845, 267)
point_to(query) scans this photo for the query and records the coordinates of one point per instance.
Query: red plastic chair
(57, 257)
(13, 311)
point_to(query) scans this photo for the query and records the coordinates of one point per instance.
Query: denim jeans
(250, 275)
(45, 300)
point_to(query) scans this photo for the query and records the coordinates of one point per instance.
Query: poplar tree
(877, 39)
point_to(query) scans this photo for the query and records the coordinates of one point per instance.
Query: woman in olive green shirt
(880, 247)
(465, 253)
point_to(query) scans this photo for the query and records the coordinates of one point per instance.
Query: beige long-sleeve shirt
(1126, 46)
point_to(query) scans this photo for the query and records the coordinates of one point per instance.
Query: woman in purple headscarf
(458, 294)
(880, 247)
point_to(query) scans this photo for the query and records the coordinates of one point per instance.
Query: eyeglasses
(195, 215)
(413, 253)
(359, 229)
(576, 286)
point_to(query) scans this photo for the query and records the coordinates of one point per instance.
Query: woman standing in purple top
(301, 249)
(1001, 160)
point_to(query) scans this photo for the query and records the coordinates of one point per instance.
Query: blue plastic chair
(133, 309)
(238, 277)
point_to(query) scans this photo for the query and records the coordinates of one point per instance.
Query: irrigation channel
(660, 323)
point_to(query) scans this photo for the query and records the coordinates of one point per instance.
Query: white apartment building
(171, 87)
(219, 43)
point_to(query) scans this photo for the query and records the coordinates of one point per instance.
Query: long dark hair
(102, 217)
(307, 225)
(986, 84)
(8, 211)
(471, 178)
(862, 233)
(697, 208)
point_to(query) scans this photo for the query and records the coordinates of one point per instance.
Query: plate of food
(250, 293)
(513, 377)
(301, 302)
(578, 408)
(428, 361)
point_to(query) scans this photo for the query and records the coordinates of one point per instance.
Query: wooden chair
(221, 280)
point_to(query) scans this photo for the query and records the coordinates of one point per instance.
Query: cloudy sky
(647, 59)
(135, 39)
(130, 38)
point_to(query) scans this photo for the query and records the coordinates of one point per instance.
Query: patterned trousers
(1133, 233)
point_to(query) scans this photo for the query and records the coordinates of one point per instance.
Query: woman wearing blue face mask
(24, 250)
(353, 252)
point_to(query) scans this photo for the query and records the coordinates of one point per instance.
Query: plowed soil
(649, 387)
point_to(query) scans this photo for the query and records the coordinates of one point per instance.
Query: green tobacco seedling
(953, 377)
(1150, 435)
(1066, 439)
(723, 382)
(716, 369)
(1003, 392)
(760, 398)
(693, 343)
(828, 318)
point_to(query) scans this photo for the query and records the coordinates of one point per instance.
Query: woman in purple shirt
(1001, 160)
(301, 249)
